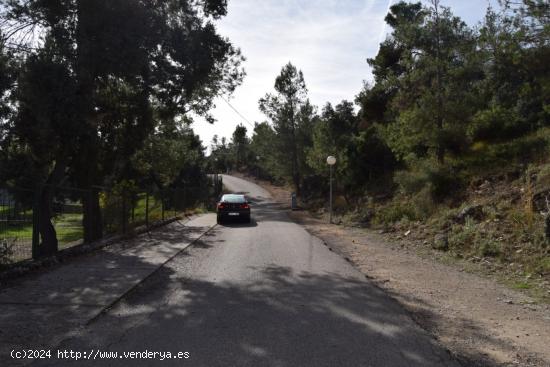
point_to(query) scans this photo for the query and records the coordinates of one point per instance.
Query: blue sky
(329, 40)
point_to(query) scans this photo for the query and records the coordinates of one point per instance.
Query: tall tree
(44, 124)
(434, 95)
(291, 114)
(169, 157)
(361, 153)
(125, 59)
(389, 64)
(6, 79)
(332, 136)
(240, 142)
(7, 76)
(220, 154)
(263, 145)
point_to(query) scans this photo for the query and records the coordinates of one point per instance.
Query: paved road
(260, 294)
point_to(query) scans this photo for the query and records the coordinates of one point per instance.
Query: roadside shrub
(490, 158)
(544, 265)
(488, 247)
(442, 182)
(394, 212)
(462, 237)
(523, 149)
(363, 213)
(444, 219)
(542, 174)
(469, 239)
(423, 203)
(412, 181)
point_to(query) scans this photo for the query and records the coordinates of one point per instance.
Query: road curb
(145, 278)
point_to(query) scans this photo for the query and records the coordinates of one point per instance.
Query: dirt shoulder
(480, 321)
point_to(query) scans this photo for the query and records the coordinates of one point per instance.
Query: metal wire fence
(16, 218)
(121, 212)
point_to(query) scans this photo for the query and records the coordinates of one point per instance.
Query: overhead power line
(237, 112)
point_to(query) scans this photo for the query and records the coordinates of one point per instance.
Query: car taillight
(244, 206)
(221, 206)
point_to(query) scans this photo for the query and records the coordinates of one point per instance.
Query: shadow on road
(42, 308)
(237, 223)
(284, 319)
(279, 318)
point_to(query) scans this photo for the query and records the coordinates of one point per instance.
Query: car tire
(247, 219)
(219, 219)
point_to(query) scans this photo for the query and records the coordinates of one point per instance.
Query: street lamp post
(258, 167)
(331, 161)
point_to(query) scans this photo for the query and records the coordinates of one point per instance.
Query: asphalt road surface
(260, 294)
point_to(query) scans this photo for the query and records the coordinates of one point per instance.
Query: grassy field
(18, 234)
(68, 228)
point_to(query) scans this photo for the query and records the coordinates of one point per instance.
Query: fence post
(147, 209)
(35, 222)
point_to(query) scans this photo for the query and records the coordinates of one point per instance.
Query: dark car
(233, 206)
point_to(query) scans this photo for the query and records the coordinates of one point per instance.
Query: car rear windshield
(233, 199)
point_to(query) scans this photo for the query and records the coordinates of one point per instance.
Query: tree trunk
(49, 244)
(295, 168)
(91, 219)
(48, 235)
(439, 115)
(87, 171)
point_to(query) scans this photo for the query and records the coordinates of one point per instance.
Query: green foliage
(522, 285)
(489, 247)
(292, 116)
(544, 266)
(6, 79)
(452, 101)
(240, 144)
(440, 182)
(262, 145)
(236, 154)
(462, 236)
(424, 203)
(486, 158)
(394, 212)
(170, 157)
(331, 136)
(495, 124)
(362, 156)
(438, 69)
(220, 159)
(84, 116)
